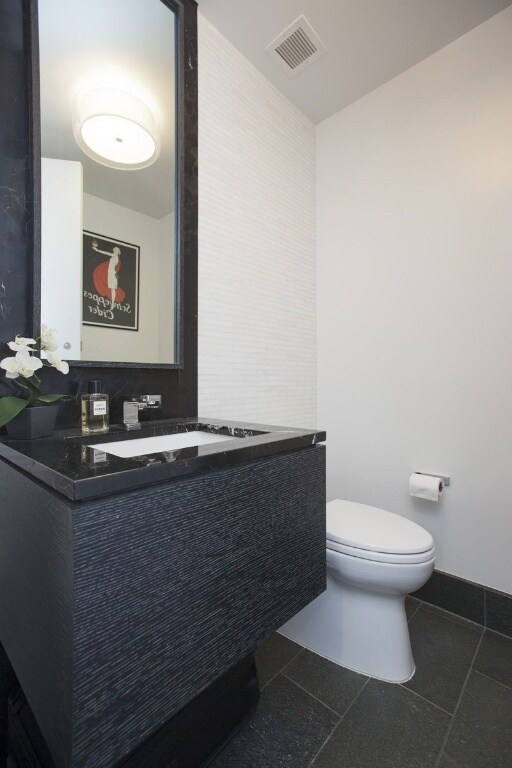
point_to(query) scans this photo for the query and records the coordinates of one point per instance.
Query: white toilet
(374, 559)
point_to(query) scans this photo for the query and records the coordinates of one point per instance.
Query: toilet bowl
(374, 559)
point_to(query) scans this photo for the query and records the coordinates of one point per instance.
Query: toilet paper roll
(426, 486)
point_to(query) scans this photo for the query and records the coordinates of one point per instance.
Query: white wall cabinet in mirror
(108, 178)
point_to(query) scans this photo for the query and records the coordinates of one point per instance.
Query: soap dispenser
(94, 409)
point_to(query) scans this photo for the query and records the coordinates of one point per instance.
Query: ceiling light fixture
(115, 129)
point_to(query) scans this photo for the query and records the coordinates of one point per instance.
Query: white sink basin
(144, 445)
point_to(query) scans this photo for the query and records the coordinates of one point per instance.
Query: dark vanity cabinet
(118, 611)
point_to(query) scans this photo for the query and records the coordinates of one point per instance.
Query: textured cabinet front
(36, 601)
(171, 585)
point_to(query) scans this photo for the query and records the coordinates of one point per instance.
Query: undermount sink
(142, 446)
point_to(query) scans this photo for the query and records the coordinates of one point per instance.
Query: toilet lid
(370, 528)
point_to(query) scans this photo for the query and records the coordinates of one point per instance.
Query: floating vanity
(140, 571)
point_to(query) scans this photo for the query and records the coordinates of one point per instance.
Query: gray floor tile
(335, 686)
(287, 730)
(411, 606)
(443, 648)
(452, 617)
(273, 655)
(481, 736)
(494, 658)
(387, 727)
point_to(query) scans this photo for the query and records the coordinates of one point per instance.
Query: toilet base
(364, 631)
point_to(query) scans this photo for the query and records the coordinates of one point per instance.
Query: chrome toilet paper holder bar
(444, 478)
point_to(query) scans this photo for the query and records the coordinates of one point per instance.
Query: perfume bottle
(94, 409)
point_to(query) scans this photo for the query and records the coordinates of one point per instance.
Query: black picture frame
(107, 260)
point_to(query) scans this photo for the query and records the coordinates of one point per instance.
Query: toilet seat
(381, 557)
(375, 534)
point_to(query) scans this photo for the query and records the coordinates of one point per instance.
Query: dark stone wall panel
(15, 241)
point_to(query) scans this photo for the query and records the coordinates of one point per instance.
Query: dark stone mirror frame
(20, 219)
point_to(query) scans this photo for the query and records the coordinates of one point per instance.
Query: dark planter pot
(32, 423)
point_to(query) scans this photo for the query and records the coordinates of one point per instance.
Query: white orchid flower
(57, 363)
(11, 367)
(28, 364)
(23, 364)
(21, 344)
(49, 339)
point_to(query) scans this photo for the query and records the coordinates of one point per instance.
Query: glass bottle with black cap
(94, 409)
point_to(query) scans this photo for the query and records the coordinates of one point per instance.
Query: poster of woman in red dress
(110, 282)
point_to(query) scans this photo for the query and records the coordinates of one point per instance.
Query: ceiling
(125, 44)
(368, 41)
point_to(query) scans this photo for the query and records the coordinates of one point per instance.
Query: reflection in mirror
(108, 94)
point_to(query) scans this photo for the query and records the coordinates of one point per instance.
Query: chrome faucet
(132, 407)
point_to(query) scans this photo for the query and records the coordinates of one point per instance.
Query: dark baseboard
(472, 601)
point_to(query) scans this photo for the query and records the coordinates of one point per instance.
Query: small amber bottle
(94, 409)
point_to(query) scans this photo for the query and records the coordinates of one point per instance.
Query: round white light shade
(115, 129)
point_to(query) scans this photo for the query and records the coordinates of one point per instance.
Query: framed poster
(110, 282)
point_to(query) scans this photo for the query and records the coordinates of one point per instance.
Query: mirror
(109, 261)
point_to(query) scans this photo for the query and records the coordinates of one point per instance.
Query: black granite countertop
(65, 463)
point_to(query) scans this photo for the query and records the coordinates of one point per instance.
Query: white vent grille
(297, 47)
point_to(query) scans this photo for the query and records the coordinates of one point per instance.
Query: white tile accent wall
(257, 311)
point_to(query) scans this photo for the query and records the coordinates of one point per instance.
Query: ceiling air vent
(296, 47)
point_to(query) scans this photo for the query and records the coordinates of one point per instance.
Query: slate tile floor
(456, 712)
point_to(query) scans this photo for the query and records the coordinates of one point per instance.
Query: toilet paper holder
(444, 478)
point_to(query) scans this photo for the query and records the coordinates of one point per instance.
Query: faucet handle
(133, 405)
(151, 401)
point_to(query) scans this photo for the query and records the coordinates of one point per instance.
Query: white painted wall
(98, 343)
(414, 211)
(61, 252)
(256, 244)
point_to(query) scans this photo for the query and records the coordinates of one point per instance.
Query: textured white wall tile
(257, 311)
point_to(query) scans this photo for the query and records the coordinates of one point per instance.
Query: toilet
(374, 559)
